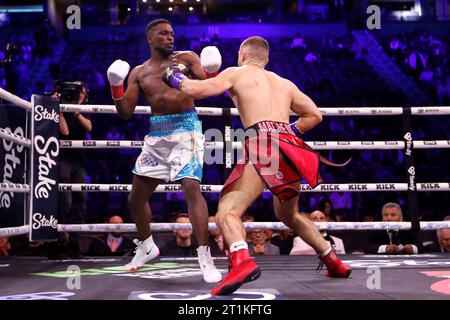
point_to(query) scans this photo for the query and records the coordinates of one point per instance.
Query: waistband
(188, 111)
(165, 125)
(272, 127)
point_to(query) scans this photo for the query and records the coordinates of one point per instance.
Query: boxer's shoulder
(136, 71)
(138, 68)
(188, 56)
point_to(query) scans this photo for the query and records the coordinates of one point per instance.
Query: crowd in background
(182, 243)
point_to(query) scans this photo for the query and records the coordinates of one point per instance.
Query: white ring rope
(165, 188)
(218, 111)
(164, 227)
(167, 227)
(213, 111)
(14, 231)
(8, 135)
(344, 187)
(219, 145)
(14, 187)
(15, 100)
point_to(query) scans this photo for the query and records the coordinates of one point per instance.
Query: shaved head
(256, 48)
(154, 23)
(115, 219)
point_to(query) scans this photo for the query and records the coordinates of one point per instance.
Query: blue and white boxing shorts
(173, 149)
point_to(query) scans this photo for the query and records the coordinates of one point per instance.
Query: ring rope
(14, 231)
(14, 187)
(165, 188)
(166, 227)
(218, 111)
(5, 95)
(212, 111)
(348, 187)
(7, 135)
(218, 145)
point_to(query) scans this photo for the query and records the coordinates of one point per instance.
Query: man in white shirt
(301, 247)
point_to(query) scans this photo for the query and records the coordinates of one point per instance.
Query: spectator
(311, 57)
(73, 126)
(284, 241)
(258, 244)
(216, 239)
(326, 207)
(426, 76)
(111, 244)
(298, 42)
(216, 40)
(443, 240)
(301, 247)
(5, 246)
(393, 241)
(114, 134)
(368, 217)
(247, 218)
(182, 244)
(204, 40)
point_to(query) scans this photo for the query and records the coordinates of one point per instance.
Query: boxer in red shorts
(264, 101)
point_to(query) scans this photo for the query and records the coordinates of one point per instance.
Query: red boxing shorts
(280, 158)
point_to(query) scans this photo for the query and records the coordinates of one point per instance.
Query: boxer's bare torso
(260, 95)
(146, 78)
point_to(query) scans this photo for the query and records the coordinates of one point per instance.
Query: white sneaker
(145, 251)
(210, 272)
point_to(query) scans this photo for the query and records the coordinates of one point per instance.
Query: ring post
(44, 171)
(410, 170)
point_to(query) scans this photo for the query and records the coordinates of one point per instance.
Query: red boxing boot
(335, 267)
(230, 263)
(243, 269)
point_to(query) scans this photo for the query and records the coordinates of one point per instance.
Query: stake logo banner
(45, 169)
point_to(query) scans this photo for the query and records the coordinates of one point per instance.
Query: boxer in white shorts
(173, 148)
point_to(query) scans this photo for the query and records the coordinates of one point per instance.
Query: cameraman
(73, 126)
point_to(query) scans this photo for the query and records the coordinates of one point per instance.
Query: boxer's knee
(132, 202)
(288, 218)
(191, 188)
(222, 216)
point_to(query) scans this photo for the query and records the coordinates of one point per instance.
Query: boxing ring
(374, 277)
(414, 277)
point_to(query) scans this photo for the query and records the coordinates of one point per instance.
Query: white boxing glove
(117, 72)
(211, 59)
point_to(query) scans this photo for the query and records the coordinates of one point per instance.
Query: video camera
(11, 51)
(70, 91)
